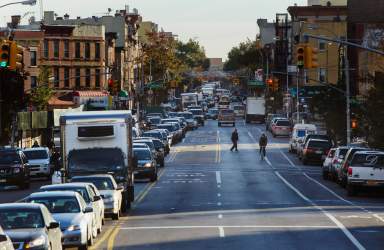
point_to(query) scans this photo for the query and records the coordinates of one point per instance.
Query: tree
(40, 95)
(246, 55)
(192, 55)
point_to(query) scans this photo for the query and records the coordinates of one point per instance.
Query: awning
(90, 93)
(256, 84)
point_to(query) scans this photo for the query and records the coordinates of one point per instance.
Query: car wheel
(325, 175)
(116, 216)
(153, 177)
(83, 247)
(162, 164)
(219, 124)
(233, 124)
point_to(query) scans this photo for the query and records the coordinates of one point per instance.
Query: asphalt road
(210, 198)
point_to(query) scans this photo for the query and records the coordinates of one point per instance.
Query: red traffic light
(110, 83)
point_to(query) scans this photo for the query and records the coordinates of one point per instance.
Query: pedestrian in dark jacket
(235, 139)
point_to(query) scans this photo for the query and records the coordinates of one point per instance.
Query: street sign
(292, 68)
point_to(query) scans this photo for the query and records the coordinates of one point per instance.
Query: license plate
(318, 152)
(371, 183)
(3, 180)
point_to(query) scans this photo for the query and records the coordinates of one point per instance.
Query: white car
(109, 190)
(91, 196)
(5, 241)
(298, 134)
(328, 163)
(38, 161)
(365, 169)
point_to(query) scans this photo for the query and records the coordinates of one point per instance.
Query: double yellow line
(112, 232)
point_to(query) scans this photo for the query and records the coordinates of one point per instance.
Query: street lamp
(26, 2)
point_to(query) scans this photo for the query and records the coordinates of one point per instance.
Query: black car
(14, 168)
(212, 114)
(159, 135)
(315, 150)
(30, 226)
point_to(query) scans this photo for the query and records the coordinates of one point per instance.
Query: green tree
(40, 95)
(192, 54)
(246, 56)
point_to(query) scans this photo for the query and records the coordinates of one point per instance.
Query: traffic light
(269, 83)
(310, 57)
(354, 124)
(300, 55)
(275, 86)
(16, 57)
(5, 53)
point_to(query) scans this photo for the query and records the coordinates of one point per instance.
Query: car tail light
(350, 171)
(308, 150)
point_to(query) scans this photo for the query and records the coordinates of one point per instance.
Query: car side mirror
(3, 238)
(88, 210)
(120, 188)
(54, 225)
(96, 198)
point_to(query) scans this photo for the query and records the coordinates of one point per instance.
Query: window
(56, 73)
(66, 49)
(88, 78)
(66, 77)
(46, 48)
(33, 58)
(87, 50)
(56, 45)
(322, 45)
(77, 50)
(97, 78)
(322, 74)
(33, 81)
(78, 79)
(97, 51)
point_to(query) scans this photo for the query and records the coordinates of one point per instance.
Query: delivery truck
(255, 110)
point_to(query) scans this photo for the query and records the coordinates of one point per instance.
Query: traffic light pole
(348, 95)
(297, 95)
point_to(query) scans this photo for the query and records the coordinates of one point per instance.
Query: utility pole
(297, 95)
(348, 94)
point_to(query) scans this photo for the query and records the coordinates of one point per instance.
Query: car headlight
(16, 170)
(148, 165)
(73, 228)
(36, 242)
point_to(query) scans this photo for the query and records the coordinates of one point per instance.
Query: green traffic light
(3, 64)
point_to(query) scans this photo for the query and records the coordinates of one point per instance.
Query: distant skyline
(217, 24)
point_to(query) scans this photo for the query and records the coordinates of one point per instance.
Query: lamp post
(27, 2)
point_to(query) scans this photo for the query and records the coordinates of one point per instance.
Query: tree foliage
(246, 55)
(192, 54)
(40, 95)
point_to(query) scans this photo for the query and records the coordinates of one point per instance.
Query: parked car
(149, 142)
(109, 190)
(342, 174)
(239, 110)
(161, 115)
(173, 130)
(212, 113)
(160, 150)
(269, 119)
(165, 134)
(198, 115)
(281, 127)
(73, 214)
(226, 116)
(152, 122)
(183, 126)
(315, 150)
(326, 169)
(87, 191)
(5, 241)
(298, 134)
(300, 146)
(30, 226)
(14, 169)
(365, 170)
(161, 136)
(337, 162)
(146, 164)
(39, 162)
(191, 122)
(274, 120)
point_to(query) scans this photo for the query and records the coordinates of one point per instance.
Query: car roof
(36, 149)
(141, 149)
(21, 205)
(370, 152)
(95, 175)
(54, 193)
(72, 184)
(318, 140)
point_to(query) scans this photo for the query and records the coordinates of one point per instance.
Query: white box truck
(189, 99)
(255, 110)
(99, 142)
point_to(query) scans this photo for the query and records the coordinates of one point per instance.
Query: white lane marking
(218, 177)
(260, 131)
(347, 233)
(221, 232)
(250, 135)
(342, 199)
(287, 158)
(218, 186)
(218, 195)
(232, 226)
(219, 204)
(220, 216)
(269, 163)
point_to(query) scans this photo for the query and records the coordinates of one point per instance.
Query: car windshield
(155, 120)
(158, 144)
(148, 143)
(196, 111)
(154, 135)
(283, 123)
(96, 160)
(59, 205)
(100, 183)
(9, 157)
(343, 152)
(142, 154)
(15, 218)
(319, 144)
(81, 190)
(36, 154)
(168, 127)
(368, 160)
(187, 115)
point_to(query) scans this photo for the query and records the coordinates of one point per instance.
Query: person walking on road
(263, 141)
(235, 139)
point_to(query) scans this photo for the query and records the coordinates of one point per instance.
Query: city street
(210, 197)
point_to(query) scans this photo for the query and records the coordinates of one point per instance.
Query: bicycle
(262, 152)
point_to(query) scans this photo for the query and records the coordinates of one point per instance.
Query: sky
(218, 25)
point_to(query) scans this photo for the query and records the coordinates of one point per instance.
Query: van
(298, 134)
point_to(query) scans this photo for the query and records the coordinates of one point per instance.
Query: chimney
(15, 21)
(66, 16)
(78, 18)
